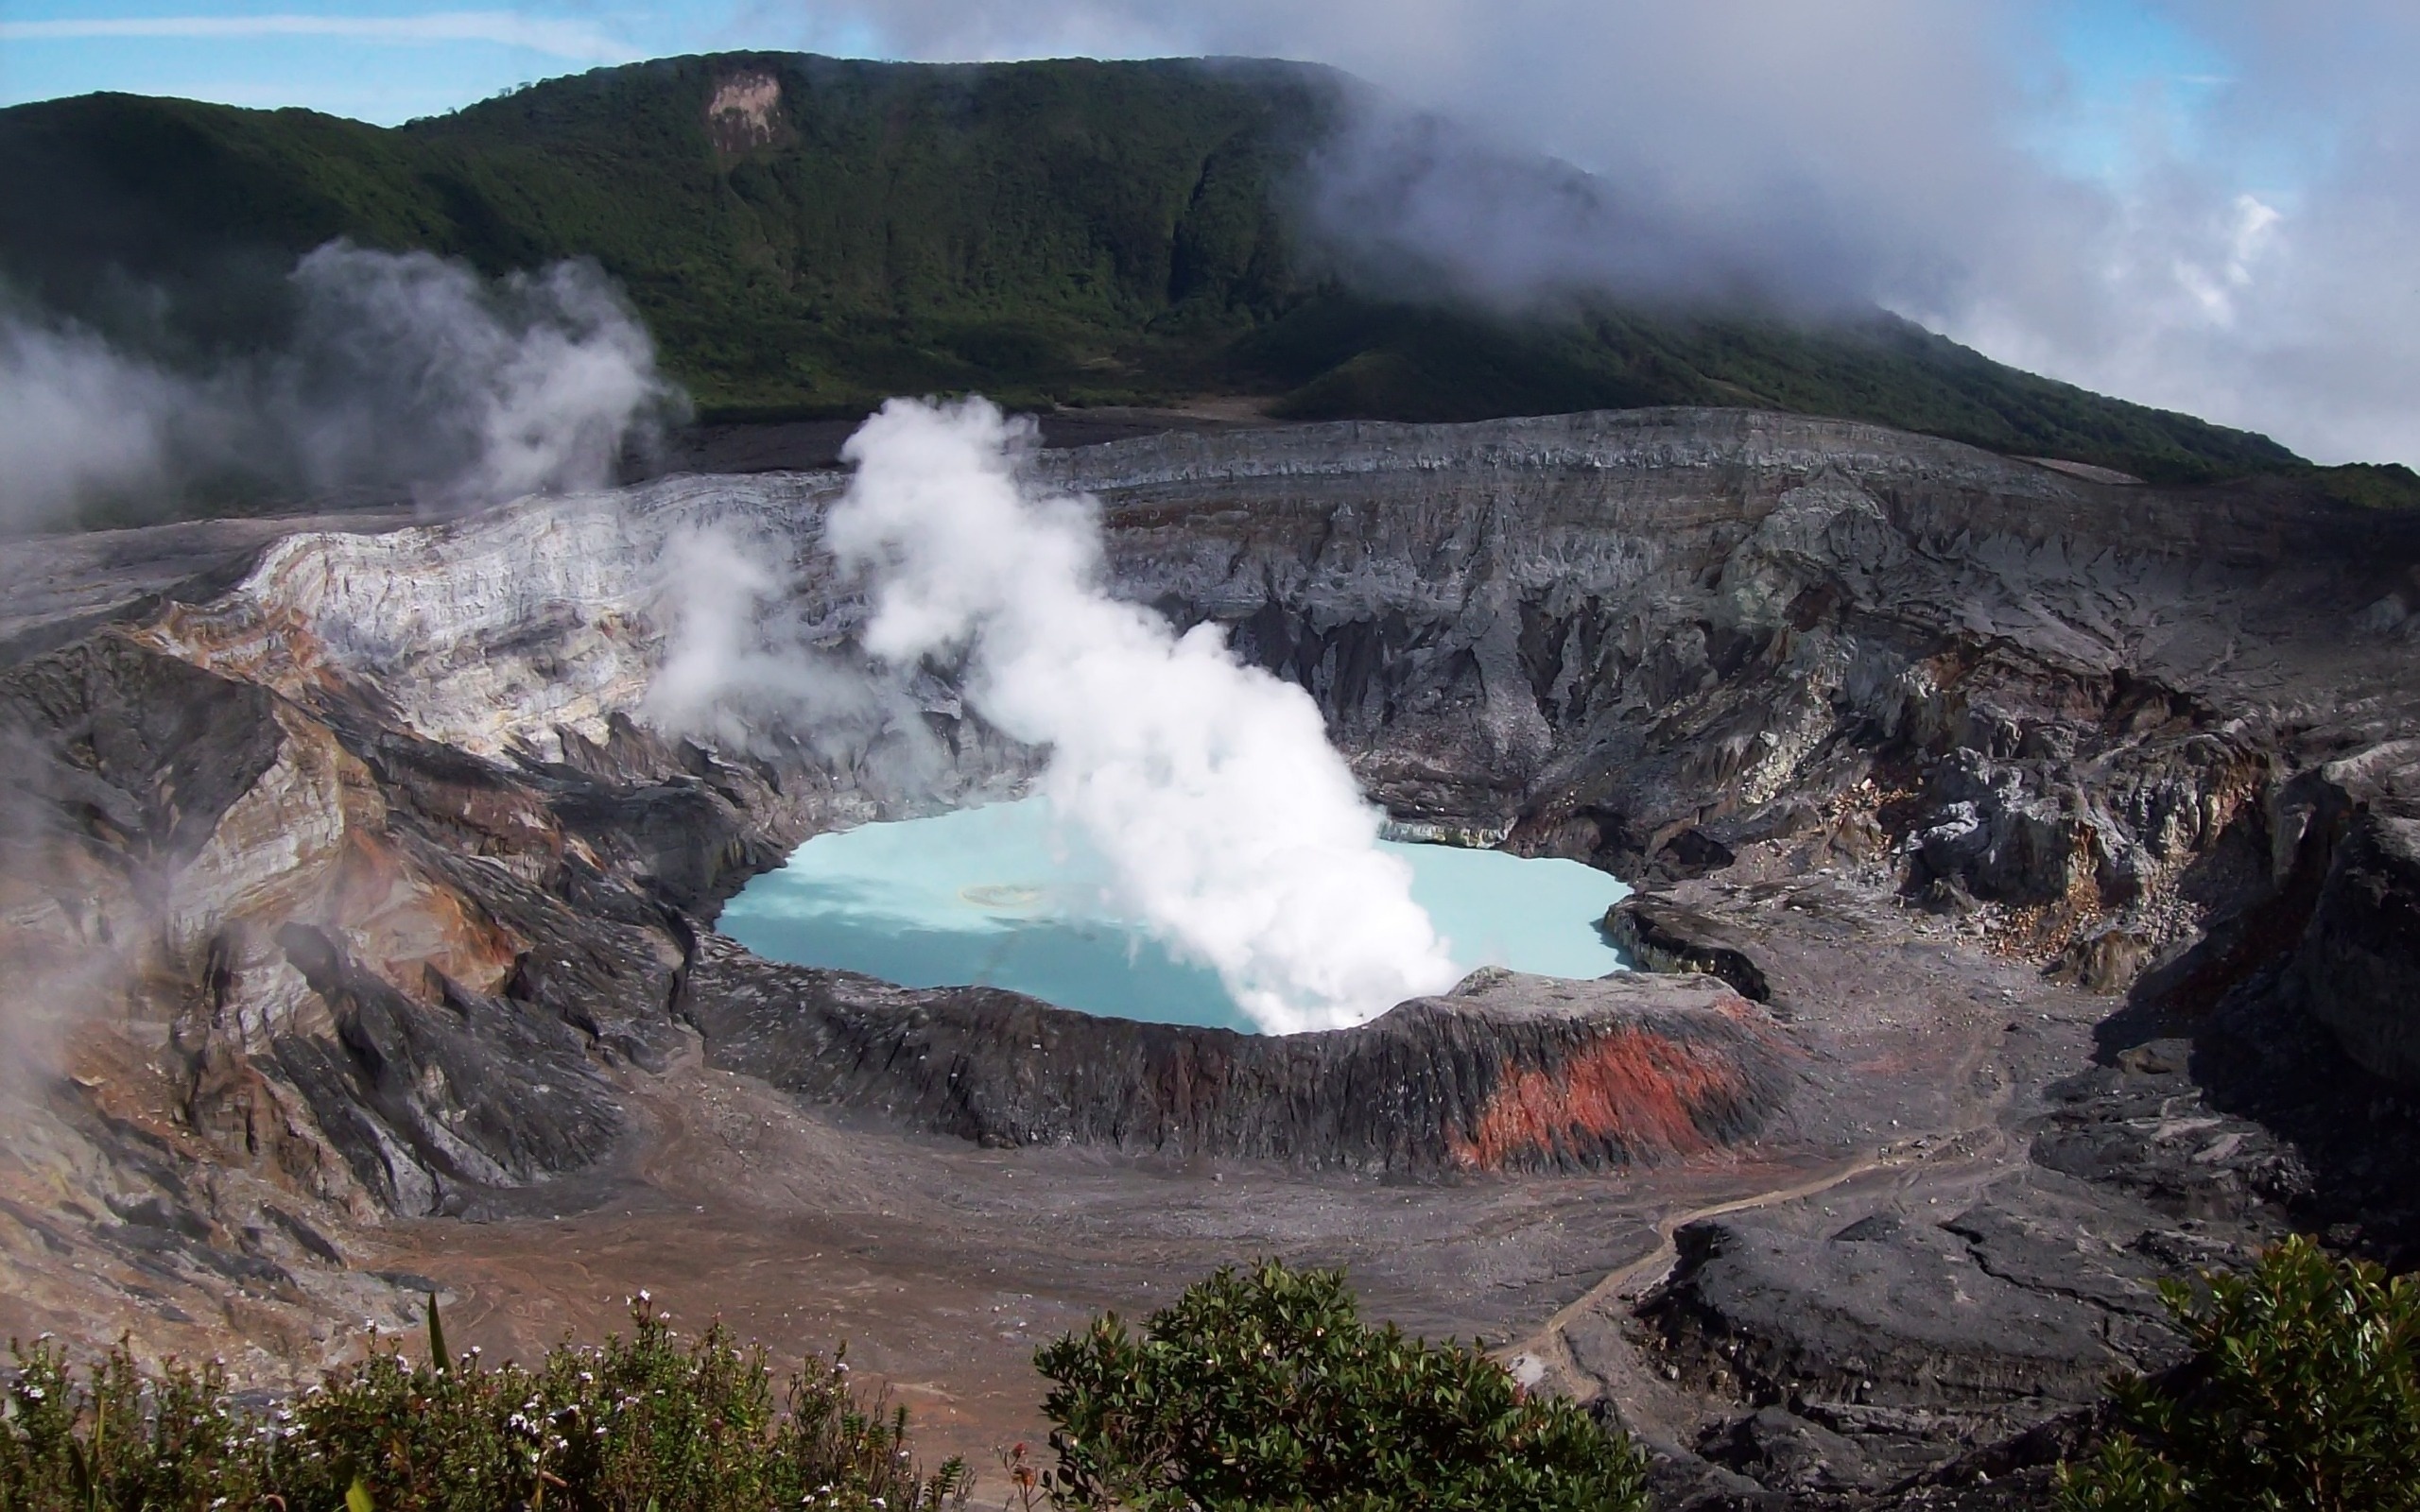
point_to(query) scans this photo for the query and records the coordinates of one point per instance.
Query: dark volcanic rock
(368, 951)
(1506, 1072)
(1784, 1452)
(111, 740)
(1661, 936)
(426, 1100)
(2144, 1126)
(2358, 967)
(1901, 1317)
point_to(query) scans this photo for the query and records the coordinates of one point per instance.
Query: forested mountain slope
(804, 236)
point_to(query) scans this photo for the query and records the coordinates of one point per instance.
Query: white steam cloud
(2206, 206)
(402, 375)
(1235, 830)
(76, 420)
(737, 663)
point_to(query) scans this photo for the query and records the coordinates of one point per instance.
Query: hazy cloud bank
(404, 375)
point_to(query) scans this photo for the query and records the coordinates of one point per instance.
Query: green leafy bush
(2303, 1392)
(646, 1422)
(1263, 1388)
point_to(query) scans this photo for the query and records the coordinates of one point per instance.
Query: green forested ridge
(1065, 233)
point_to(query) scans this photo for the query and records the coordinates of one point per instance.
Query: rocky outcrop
(1655, 639)
(1897, 1356)
(1657, 934)
(2357, 967)
(1507, 1072)
(386, 971)
(1882, 1314)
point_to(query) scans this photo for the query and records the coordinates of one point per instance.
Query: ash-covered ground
(2028, 860)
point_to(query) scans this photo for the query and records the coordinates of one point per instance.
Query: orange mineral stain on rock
(279, 649)
(1632, 1089)
(403, 924)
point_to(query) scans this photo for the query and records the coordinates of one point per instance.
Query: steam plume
(1236, 830)
(737, 663)
(404, 376)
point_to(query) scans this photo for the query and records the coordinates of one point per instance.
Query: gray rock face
(382, 968)
(2143, 1127)
(2358, 965)
(1660, 936)
(1508, 1073)
(1783, 1452)
(1651, 640)
(1899, 1363)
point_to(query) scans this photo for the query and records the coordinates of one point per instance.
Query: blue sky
(375, 61)
(2128, 81)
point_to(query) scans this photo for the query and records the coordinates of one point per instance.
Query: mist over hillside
(804, 236)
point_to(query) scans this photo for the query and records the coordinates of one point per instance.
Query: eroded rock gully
(2039, 855)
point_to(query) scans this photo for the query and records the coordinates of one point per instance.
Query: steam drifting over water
(1232, 827)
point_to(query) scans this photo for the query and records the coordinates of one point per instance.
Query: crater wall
(380, 857)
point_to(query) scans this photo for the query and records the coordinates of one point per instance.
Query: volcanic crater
(2026, 868)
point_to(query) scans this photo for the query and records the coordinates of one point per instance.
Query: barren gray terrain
(2026, 875)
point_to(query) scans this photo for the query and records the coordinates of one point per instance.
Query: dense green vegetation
(2303, 1392)
(1263, 1389)
(648, 1421)
(1053, 233)
(2372, 484)
(1258, 1391)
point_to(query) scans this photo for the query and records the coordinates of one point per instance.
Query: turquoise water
(1003, 896)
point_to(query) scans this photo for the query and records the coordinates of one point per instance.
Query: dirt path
(1980, 1141)
(1656, 1263)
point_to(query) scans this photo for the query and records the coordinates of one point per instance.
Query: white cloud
(2249, 263)
(572, 40)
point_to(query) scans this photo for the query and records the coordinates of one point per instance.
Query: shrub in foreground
(2303, 1392)
(1263, 1388)
(646, 1422)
